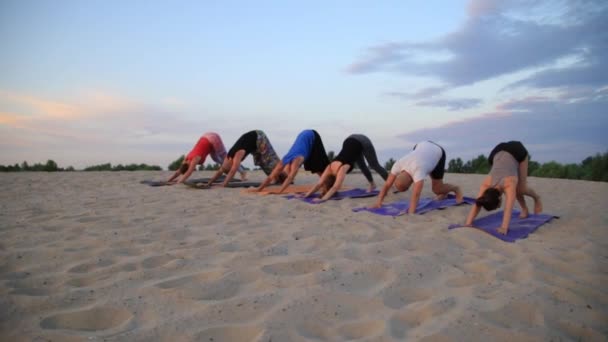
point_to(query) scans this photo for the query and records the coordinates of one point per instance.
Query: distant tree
(389, 164)
(177, 163)
(212, 167)
(70, 169)
(455, 166)
(50, 166)
(25, 166)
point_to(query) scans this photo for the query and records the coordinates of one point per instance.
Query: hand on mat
(251, 190)
(375, 206)
(503, 230)
(318, 200)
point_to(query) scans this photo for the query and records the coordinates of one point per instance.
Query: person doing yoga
(355, 149)
(426, 159)
(209, 144)
(508, 175)
(307, 149)
(255, 143)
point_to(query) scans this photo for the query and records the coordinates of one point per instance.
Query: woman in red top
(209, 144)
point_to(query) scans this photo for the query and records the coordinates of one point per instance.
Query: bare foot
(524, 213)
(538, 206)
(244, 176)
(503, 230)
(440, 197)
(371, 187)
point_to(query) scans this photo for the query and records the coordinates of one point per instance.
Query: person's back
(420, 162)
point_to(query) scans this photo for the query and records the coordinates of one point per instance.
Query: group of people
(508, 174)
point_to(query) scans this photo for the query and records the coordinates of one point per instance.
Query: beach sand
(99, 256)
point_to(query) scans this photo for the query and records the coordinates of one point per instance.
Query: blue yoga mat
(352, 193)
(203, 185)
(518, 229)
(424, 206)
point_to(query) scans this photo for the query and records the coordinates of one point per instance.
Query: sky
(90, 82)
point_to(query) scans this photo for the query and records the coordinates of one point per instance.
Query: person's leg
(440, 188)
(524, 189)
(369, 152)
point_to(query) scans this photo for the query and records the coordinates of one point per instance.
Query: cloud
(451, 104)
(552, 128)
(504, 37)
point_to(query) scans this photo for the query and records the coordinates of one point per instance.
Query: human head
(327, 184)
(226, 165)
(281, 177)
(489, 200)
(403, 181)
(184, 167)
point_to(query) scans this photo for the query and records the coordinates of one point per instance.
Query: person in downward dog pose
(508, 175)
(355, 149)
(307, 149)
(209, 144)
(255, 143)
(427, 159)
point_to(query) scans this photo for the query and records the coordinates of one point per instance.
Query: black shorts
(439, 169)
(318, 160)
(514, 148)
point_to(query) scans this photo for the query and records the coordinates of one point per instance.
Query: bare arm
(273, 175)
(510, 194)
(175, 175)
(416, 191)
(236, 162)
(322, 180)
(295, 167)
(191, 168)
(387, 186)
(338, 184)
(475, 209)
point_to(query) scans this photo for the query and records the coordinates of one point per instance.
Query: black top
(514, 148)
(351, 151)
(247, 142)
(318, 160)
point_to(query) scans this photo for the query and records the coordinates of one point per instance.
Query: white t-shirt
(420, 162)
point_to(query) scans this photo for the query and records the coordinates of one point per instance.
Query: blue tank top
(301, 147)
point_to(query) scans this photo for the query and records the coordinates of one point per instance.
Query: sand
(98, 256)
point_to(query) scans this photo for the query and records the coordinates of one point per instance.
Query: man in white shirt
(426, 159)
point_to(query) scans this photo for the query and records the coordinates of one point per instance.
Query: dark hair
(281, 177)
(490, 199)
(184, 168)
(329, 182)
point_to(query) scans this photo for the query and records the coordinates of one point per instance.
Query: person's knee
(437, 187)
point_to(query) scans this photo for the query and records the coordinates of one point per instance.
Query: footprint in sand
(205, 286)
(294, 268)
(400, 297)
(401, 322)
(230, 333)
(95, 319)
(359, 330)
(157, 261)
(88, 267)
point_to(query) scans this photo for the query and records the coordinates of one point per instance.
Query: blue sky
(88, 82)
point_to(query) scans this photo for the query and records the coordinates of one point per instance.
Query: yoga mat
(352, 193)
(196, 180)
(424, 206)
(203, 185)
(518, 228)
(292, 189)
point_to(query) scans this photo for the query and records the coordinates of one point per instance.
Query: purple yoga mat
(424, 206)
(518, 229)
(352, 193)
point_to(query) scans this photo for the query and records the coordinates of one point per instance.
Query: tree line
(51, 166)
(593, 168)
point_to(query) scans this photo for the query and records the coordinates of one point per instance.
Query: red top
(201, 149)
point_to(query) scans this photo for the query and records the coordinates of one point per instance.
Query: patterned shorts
(265, 157)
